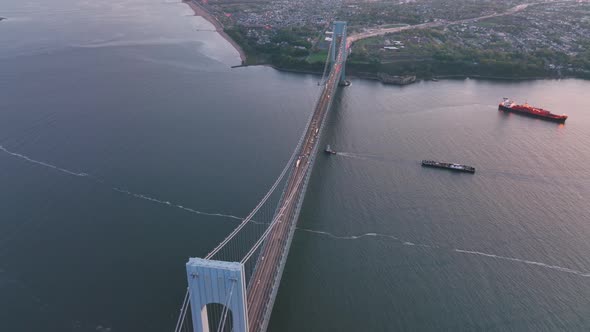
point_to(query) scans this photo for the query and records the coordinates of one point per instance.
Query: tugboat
(453, 167)
(526, 109)
(328, 150)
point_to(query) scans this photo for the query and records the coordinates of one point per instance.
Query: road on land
(383, 31)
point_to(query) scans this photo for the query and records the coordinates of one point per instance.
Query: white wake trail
(352, 237)
(178, 206)
(353, 155)
(461, 251)
(547, 266)
(123, 191)
(328, 234)
(138, 42)
(22, 156)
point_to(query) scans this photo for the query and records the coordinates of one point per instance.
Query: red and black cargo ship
(526, 109)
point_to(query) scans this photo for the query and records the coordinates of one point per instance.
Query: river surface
(124, 133)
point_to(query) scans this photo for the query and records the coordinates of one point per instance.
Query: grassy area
(318, 57)
(370, 41)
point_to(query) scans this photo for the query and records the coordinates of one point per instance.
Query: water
(127, 144)
(503, 249)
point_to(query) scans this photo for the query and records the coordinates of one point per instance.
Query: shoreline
(201, 11)
(373, 77)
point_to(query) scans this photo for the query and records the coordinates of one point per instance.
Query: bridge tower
(221, 283)
(339, 45)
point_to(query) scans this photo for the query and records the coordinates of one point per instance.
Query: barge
(451, 166)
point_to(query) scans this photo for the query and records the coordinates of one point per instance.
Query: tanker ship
(526, 109)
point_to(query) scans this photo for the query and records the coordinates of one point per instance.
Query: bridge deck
(268, 270)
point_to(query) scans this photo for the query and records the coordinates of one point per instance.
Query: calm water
(121, 121)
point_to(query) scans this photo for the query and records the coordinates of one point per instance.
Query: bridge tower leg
(217, 282)
(339, 37)
(333, 47)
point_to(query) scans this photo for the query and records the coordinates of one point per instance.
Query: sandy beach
(201, 11)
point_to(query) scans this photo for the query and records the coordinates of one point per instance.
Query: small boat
(328, 150)
(451, 166)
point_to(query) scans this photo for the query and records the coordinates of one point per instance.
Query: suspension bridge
(234, 287)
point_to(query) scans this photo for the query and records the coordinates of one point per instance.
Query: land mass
(504, 39)
(199, 10)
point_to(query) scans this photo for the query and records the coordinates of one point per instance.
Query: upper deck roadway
(268, 270)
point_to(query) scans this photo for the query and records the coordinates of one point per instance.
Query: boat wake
(364, 156)
(547, 266)
(352, 237)
(323, 233)
(138, 42)
(21, 156)
(352, 155)
(455, 250)
(168, 203)
(116, 188)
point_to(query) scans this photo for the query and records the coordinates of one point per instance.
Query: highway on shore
(271, 259)
(383, 31)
